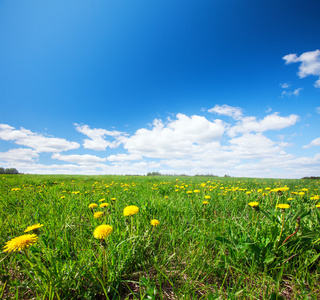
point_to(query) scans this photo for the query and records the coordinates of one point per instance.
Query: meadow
(167, 237)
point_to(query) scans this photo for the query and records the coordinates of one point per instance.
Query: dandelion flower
(113, 199)
(20, 242)
(254, 203)
(130, 210)
(104, 204)
(33, 227)
(93, 205)
(102, 231)
(101, 200)
(155, 222)
(98, 214)
(318, 205)
(283, 206)
(207, 197)
(205, 202)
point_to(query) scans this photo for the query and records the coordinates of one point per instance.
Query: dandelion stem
(282, 225)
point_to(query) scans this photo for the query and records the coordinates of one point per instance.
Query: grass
(225, 249)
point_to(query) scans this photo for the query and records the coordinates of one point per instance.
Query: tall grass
(225, 249)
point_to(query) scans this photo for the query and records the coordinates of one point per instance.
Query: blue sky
(130, 87)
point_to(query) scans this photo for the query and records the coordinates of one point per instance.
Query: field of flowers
(158, 237)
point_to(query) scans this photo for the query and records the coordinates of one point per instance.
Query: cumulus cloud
(20, 155)
(36, 141)
(176, 138)
(124, 157)
(98, 136)
(226, 110)
(315, 142)
(270, 122)
(178, 145)
(79, 159)
(309, 64)
(318, 110)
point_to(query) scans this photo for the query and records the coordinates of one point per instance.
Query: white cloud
(97, 137)
(296, 92)
(226, 110)
(318, 110)
(270, 122)
(180, 145)
(124, 157)
(285, 85)
(20, 155)
(79, 159)
(315, 142)
(177, 138)
(310, 64)
(36, 141)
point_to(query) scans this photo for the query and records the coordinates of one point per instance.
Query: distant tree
(153, 174)
(311, 177)
(2, 170)
(11, 171)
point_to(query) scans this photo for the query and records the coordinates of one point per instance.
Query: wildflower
(98, 214)
(93, 205)
(207, 197)
(318, 205)
(254, 203)
(189, 192)
(20, 242)
(205, 202)
(283, 206)
(101, 200)
(289, 199)
(113, 199)
(102, 231)
(104, 204)
(196, 191)
(33, 227)
(130, 210)
(155, 222)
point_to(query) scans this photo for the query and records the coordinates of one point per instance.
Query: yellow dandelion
(130, 210)
(253, 204)
(33, 227)
(93, 205)
(318, 205)
(104, 204)
(205, 202)
(20, 242)
(102, 231)
(113, 199)
(196, 191)
(101, 200)
(155, 222)
(207, 197)
(289, 199)
(283, 206)
(189, 192)
(98, 214)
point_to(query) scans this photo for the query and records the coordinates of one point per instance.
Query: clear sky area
(177, 87)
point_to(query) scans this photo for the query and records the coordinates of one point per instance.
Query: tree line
(8, 171)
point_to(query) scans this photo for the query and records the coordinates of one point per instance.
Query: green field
(209, 244)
